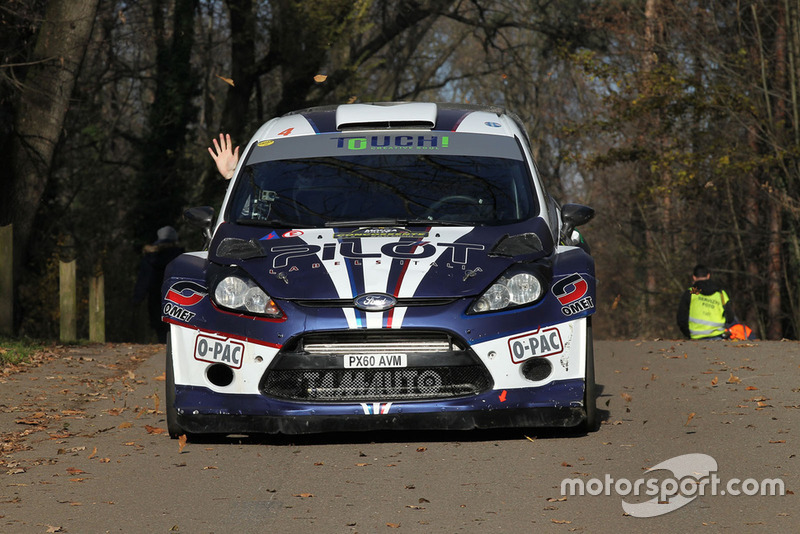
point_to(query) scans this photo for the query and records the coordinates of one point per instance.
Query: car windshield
(384, 189)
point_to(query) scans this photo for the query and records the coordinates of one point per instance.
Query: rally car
(383, 266)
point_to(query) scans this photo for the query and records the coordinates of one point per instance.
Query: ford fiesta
(383, 266)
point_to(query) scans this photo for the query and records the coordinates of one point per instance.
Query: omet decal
(218, 350)
(545, 342)
(570, 292)
(186, 293)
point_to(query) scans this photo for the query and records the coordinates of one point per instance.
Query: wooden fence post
(67, 291)
(97, 307)
(6, 280)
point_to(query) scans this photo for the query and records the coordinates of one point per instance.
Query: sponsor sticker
(571, 293)
(380, 232)
(393, 142)
(542, 342)
(266, 143)
(186, 293)
(214, 349)
(376, 408)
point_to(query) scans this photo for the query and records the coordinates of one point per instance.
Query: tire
(592, 421)
(174, 429)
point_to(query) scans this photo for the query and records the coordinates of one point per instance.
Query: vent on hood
(378, 117)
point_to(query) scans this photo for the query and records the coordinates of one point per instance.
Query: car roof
(393, 116)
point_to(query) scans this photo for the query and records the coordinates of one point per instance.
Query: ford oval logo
(375, 302)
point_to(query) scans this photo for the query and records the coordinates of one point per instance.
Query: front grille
(312, 368)
(376, 384)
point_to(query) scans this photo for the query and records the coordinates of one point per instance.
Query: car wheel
(173, 427)
(591, 423)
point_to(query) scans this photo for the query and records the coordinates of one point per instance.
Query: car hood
(405, 262)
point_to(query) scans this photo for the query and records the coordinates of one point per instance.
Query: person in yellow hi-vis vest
(705, 309)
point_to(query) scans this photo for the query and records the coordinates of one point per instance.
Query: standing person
(225, 156)
(705, 308)
(155, 258)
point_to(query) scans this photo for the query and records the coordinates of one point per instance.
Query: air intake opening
(537, 369)
(220, 375)
(390, 115)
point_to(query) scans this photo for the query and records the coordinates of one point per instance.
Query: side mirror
(201, 217)
(572, 216)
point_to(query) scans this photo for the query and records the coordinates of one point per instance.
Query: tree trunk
(42, 107)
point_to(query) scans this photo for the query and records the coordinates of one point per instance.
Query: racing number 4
(286, 132)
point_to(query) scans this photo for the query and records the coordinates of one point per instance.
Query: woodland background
(678, 121)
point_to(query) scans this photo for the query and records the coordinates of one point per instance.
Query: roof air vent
(379, 117)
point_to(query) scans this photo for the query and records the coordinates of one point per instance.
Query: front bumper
(559, 404)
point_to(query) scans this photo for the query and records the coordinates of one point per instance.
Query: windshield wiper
(366, 222)
(271, 223)
(438, 222)
(396, 222)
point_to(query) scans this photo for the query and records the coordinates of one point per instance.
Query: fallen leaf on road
(734, 379)
(422, 449)
(751, 388)
(393, 525)
(361, 465)
(303, 495)
(94, 453)
(125, 425)
(561, 522)
(714, 381)
(181, 443)
(154, 430)
(777, 441)
(161, 378)
(691, 416)
(51, 529)
(74, 471)
(626, 397)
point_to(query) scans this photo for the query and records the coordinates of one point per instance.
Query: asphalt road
(85, 450)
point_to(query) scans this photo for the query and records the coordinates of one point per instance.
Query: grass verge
(15, 351)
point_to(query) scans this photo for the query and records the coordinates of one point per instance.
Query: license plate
(370, 361)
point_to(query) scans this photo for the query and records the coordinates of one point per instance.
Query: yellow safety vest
(707, 315)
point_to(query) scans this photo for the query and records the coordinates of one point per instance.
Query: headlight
(241, 294)
(509, 291)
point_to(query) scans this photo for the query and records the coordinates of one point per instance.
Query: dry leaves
(714, 381)
(181, 443)
(319, 78)
(226, 80)
(691, 416)
(734, 379)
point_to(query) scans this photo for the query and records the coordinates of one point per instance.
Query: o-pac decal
(570, 288)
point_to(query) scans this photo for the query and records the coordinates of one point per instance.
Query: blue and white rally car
(383, 266)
